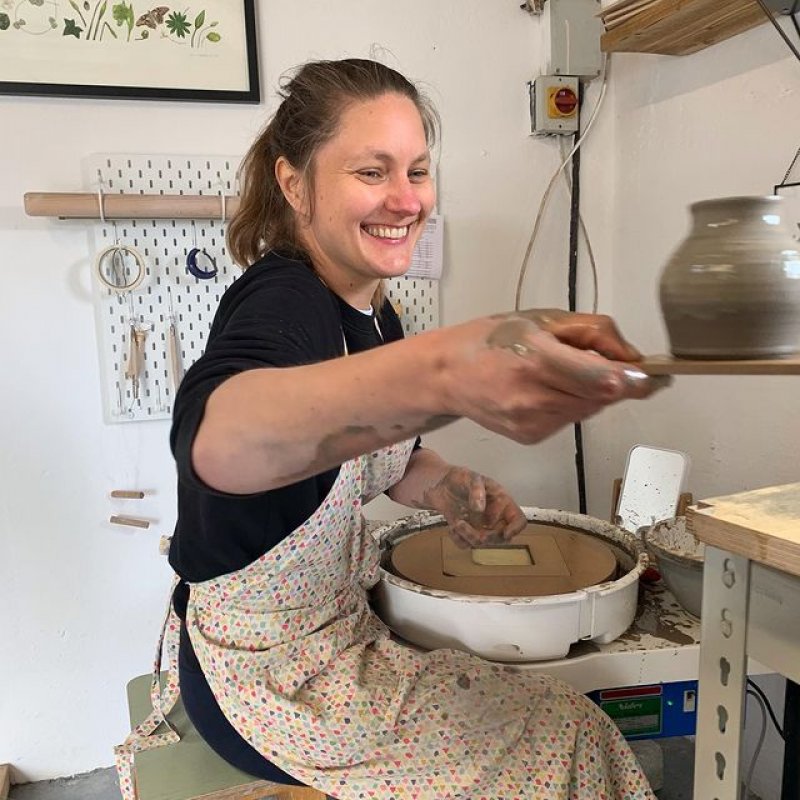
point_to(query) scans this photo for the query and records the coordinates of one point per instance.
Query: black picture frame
(244, 88)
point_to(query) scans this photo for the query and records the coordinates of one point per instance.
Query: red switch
(563, 102)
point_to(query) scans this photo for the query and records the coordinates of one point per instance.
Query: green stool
(190, 769)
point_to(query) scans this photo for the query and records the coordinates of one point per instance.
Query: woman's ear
(292, 185)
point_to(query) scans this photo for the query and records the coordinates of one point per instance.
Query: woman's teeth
(383, 232)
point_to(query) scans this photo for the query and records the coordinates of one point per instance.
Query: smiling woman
(372, 192)
(279, 440)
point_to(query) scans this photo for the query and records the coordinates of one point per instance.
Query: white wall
(724, 121)
(81, 600)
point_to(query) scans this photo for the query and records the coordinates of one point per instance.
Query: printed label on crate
(637, 711)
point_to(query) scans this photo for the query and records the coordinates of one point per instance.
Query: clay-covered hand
(596, 332)
(478, 510)
(527, 374)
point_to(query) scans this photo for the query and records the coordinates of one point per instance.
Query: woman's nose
(403, 197)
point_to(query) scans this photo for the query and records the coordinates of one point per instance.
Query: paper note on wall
(428, 255)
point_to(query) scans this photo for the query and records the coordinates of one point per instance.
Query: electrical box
(571, 33)
(555, 102)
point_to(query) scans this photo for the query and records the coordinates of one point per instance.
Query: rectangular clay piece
(542, 557)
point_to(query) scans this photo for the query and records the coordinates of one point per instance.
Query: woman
(279, 442)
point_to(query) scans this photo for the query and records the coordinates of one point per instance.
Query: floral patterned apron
(309, 676)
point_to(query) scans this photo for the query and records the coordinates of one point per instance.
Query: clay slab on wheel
(542, 560)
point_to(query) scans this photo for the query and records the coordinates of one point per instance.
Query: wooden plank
(763, 525)
(680, 27)
(83, 205)
(5, 781)
(668, 365)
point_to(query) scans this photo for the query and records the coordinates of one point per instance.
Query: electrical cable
(586, 239)
(548, 191)
(572, 287)
(778, 28)
(759, 745)
(785, 179)
(793, 16)
(752, 685)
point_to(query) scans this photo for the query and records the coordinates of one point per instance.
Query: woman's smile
(388, 232)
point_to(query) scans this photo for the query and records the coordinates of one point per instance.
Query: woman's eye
(371, 174)
(419, 174)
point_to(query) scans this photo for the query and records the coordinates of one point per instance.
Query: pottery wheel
(542, 560)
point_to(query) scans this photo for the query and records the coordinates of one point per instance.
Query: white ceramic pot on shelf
(511, 629)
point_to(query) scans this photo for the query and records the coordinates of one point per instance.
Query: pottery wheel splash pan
(567, 578)
(542, 560)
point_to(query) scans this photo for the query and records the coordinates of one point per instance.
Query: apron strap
(143, 736)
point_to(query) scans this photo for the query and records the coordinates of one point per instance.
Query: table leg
(790, 789)
(722, 676)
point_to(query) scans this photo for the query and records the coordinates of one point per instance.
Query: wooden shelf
(680, 27)
(76, 205)
(762, 525)
(667, 365)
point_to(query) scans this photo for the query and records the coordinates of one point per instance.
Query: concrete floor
(101, 784)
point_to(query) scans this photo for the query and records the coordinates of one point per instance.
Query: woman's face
(372, 194)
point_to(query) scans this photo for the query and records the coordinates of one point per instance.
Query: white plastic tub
(511, 629)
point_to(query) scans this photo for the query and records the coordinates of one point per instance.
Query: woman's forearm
(266, 428)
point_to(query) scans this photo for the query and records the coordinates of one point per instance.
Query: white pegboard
(416, 300)
(165, 245)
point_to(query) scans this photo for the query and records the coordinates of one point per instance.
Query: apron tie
(143, 736)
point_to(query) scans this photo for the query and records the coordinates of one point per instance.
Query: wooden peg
(130, 494)
(684, 501)
(616, 488)
(134, 522)
(5, 780)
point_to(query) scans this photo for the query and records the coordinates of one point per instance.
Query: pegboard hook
(101, 208)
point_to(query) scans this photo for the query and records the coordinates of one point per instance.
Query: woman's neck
(357, 295)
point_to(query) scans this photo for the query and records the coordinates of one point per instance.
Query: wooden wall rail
(86, 205)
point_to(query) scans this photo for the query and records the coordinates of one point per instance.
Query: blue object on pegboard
(651, 712)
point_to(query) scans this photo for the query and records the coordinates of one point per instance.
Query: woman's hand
(527, 374)
(478, 510)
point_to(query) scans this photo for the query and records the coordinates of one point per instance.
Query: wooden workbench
(751, 607)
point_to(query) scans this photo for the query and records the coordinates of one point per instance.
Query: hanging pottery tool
(113, 265)
(134, 368)
(199, 262)
(132, 362)
(120, 268)
(174, 365)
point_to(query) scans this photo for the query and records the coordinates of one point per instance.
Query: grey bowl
(679, 555)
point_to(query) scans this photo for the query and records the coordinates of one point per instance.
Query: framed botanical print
(118, 49)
